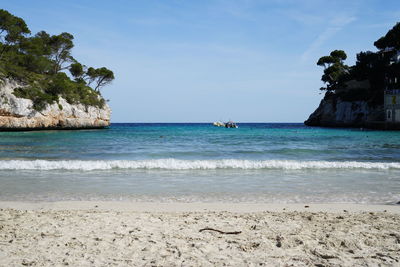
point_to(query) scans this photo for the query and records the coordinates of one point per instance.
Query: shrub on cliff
(40, 62)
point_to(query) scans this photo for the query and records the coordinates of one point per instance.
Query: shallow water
(198, 162)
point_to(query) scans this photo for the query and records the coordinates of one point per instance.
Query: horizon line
(206, 122)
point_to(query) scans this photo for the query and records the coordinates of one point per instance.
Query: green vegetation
(381, 69)
(335, 71)
(41, 63)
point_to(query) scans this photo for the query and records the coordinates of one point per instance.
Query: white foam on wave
(176, 164)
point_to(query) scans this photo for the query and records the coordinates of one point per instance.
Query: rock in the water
(18, 113)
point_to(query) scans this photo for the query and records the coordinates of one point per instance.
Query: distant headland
(366, 94)
(42, 86)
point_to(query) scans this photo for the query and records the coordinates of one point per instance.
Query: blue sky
(201, 61)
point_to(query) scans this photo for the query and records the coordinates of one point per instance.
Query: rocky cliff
(334, 112)
(18, 113)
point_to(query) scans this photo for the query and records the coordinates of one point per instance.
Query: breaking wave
(175, 164)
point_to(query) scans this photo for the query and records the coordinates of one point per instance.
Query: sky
(208, 60)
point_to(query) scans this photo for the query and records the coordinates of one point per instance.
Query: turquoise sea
(258, 162)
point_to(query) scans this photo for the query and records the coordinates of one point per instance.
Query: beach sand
(168, 234)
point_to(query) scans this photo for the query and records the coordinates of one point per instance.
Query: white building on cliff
(392, 90)
(392, 105)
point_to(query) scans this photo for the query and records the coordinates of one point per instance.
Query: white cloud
(303, 17)
(335, 25)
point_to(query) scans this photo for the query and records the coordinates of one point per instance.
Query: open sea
(197, 162)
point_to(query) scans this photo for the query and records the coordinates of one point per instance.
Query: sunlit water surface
(280, 163)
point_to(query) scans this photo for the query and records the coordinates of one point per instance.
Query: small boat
(229, 124)
(219, 124)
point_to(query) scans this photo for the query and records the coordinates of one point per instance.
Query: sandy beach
(198, 234)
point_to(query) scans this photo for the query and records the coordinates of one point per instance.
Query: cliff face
(333, 112)
(18, 113)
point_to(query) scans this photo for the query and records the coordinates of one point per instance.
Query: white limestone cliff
(18, 113)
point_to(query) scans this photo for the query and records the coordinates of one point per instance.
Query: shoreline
(199, 206)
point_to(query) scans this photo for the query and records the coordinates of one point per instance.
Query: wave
(176, 164)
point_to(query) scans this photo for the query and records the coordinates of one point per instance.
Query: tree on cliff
(35, 53)
(12, 30)
(336, 56)
(334, 69)
(60, 51)
(54, 50)
(373, 72)
(77, 70)
(390, 40)
(40, 63)
(101, 77)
